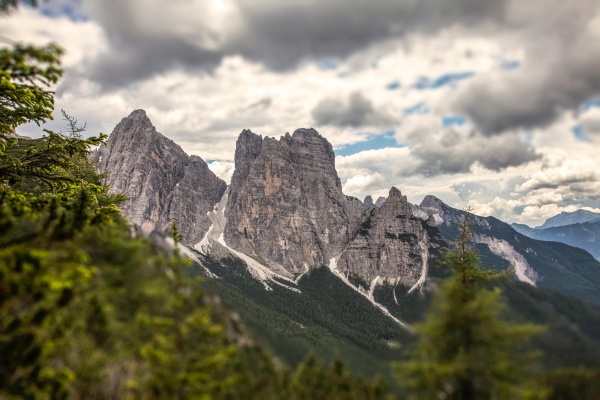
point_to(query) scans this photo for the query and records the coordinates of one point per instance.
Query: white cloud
(223, 169)
(364, 183)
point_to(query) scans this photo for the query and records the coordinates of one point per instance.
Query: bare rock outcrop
(163, 182)
(390, 243)
(286, 203)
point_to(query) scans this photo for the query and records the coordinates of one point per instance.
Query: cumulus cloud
(357, 111)
(590, 123)
(147, 37)
(222, 169)
(561, 42)
(570, 174)
(451, 150)
(364, 183)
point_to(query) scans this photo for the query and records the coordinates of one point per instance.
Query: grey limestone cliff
(390, 243)
(286, 204)
(163, 182)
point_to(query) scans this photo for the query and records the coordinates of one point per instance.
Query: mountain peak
(431, 201)
(286, 192)
(137, 124)
(395, 192)
(138, 116)
(162, 181)
(139, 113)
(306, 133)
(569, 218)
(247, 134)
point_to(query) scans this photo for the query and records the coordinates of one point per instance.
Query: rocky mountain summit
(163, 182)
(284, 209)
(390, 243)
(286, 203)
(285, 213)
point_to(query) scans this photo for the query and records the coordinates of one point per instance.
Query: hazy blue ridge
(584, 235)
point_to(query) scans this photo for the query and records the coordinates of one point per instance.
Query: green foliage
(580, 384)
(466, 350)
(88, 311)
(313, 380)
(26, 74)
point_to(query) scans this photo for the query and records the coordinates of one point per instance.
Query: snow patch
(417, 212)
(215, 234)
(484, 223)
(306, 268)
(424, 245)
(333, 268)
(426, 212)
(505, 250)
(191, 255)
(374, 284)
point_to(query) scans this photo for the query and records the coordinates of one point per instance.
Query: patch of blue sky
(453, 120)
(579, 134)
(393, 85)
(526, 137)
(375, 62)
(344, 74)
(373, 142)
(418, 109)
(328, 64)
(69, 8)
(590, 104)
(510, 64)
(444, 80)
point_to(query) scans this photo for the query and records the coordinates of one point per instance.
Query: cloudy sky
(493, 104)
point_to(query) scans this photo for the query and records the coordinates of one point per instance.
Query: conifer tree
(466, 349)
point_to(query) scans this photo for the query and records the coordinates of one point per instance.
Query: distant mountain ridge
(555, 266)
(585, 235)
(570, 218)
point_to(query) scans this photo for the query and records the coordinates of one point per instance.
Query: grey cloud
(146, 39)
(486, 190)
(467, 190)
(553, 179)
(559, 74)
(450, 152)
(591, 128)
(357, 111)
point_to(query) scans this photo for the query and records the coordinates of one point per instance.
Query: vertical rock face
(286, 202)
(390, 243)
(163, 183)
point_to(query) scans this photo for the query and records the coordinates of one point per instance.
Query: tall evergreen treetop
(466, 348)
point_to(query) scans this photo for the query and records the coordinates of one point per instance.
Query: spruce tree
(466, 349)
